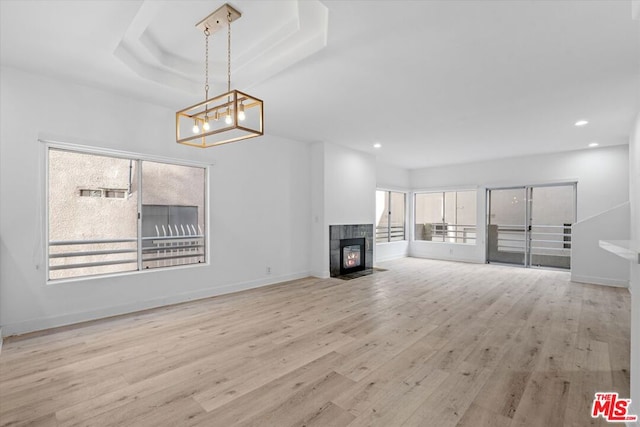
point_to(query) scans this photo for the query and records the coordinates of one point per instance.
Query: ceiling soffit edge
(297, 30)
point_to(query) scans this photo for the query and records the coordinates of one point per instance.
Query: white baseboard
(32, 325)
(321, 274)
(604, 281)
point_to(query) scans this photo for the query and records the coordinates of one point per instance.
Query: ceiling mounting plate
(218, 19)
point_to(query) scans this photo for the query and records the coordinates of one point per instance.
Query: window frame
(404, 217)
(127, 155)
(443, 193)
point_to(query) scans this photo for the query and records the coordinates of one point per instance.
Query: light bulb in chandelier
(241, 114)
(205, 126)
(195, 127)
(228, 120)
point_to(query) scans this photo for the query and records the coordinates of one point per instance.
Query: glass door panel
(552, 214)
(507, 231)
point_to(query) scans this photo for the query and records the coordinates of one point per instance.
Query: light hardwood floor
(426, 343)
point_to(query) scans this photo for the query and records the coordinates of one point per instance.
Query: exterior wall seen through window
(447, 216)
(390, 216)
(97, 205)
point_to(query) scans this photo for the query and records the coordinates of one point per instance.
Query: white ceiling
(435, 82)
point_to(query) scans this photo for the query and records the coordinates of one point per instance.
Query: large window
(109, 214)
(448, 216)
(390, 214)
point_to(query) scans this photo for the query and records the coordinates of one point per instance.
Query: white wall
(259, 197)
(343, 186)
(602, 176)
(350, 186)
(393, 178)
(589, 262)
(634, 198)
(319, 252)
(391, 250)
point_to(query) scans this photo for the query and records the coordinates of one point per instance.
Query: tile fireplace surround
(351, 231)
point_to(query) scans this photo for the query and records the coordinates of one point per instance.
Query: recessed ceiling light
(377, 145)
(593, 144)
(581, 122)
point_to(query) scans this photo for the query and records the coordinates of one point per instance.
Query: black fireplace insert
(352, 255)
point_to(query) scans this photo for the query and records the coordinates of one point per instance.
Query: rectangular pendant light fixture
(228, 117)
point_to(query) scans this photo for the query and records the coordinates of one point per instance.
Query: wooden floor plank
(477, 416)
(425, 343)
(303, 404)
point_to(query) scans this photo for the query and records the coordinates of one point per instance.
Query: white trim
(445, 189)
(44, 323)
(604, 281)
(554, 183)
(129, 155)
(394, 189)
(45, 209)
(138, 163)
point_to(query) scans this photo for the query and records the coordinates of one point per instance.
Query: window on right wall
(446, 216)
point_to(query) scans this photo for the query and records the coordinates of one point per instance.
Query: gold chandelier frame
(229, 117)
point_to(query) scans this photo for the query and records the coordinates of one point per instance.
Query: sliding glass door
(531, 226)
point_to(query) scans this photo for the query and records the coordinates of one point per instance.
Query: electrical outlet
(268, 270)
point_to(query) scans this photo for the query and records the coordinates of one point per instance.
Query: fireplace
(352, 255)
(350, 249)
